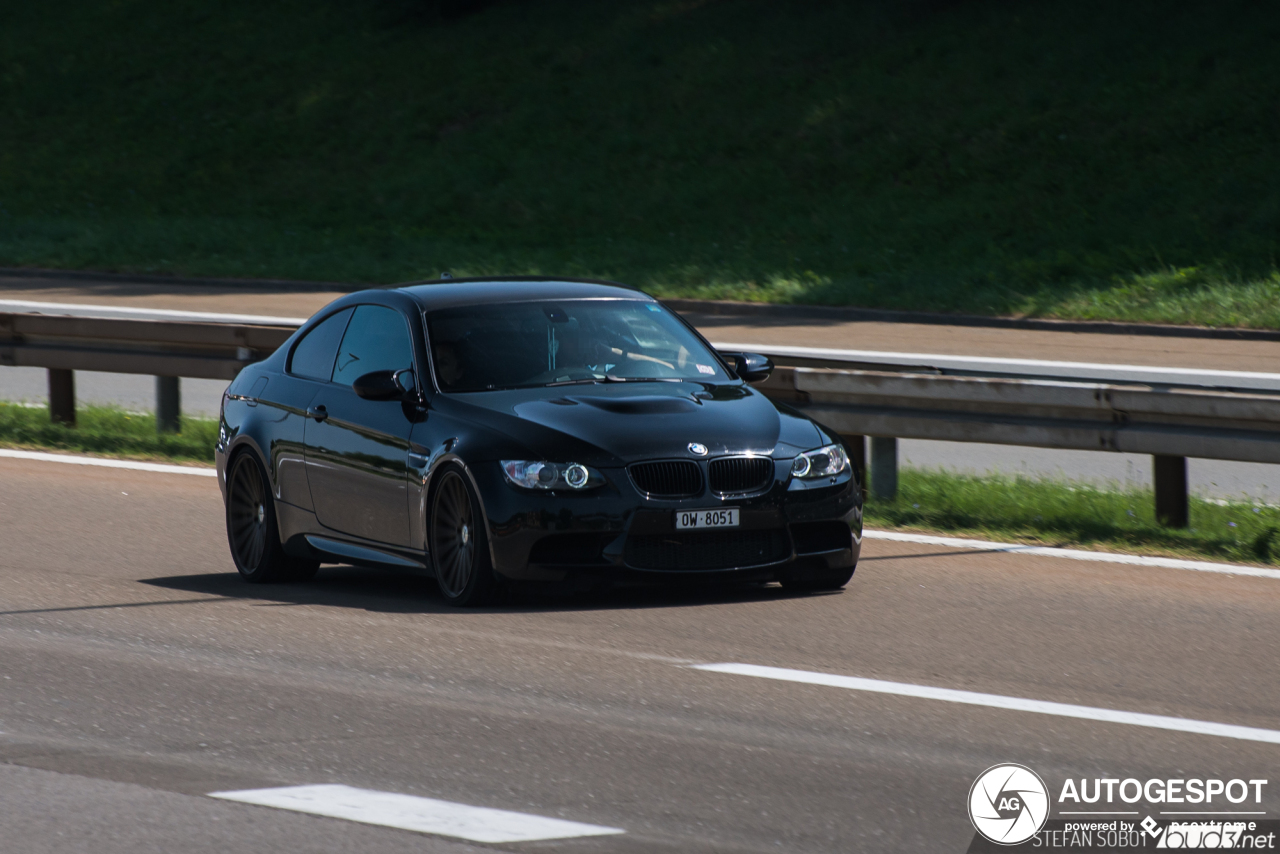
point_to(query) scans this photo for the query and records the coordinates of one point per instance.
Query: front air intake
(706, 550)
(669, 479)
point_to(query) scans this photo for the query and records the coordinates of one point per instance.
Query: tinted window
(313, 355)
(377, 340)
(572, 341)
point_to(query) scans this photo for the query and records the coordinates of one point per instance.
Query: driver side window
(377, 339)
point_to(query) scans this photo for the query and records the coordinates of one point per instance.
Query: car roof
(446, 293)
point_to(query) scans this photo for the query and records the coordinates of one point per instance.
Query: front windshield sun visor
(565, 342)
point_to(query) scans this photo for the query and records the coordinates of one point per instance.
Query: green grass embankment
(1088, 159)
(1054, 512)
(108, 431)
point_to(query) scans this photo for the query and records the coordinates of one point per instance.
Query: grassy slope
(1070, 159)
(1060, 513)
(108, 431)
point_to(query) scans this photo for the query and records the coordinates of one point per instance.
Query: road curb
(106, 462)
(1071, 554)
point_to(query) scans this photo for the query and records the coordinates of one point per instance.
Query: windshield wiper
(573, 382)
(611, 378)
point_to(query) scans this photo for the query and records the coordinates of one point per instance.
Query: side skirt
(304, 537)
(361, 554)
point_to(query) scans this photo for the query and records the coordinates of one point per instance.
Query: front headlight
(824, 462)
(528, 474)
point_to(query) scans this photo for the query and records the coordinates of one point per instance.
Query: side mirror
(752, 367)
(384, 385)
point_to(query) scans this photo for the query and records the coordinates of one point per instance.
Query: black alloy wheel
(252, 532)
(459, 550)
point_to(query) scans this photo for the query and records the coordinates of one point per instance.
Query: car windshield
(512, 345)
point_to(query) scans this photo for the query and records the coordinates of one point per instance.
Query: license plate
(724, 517)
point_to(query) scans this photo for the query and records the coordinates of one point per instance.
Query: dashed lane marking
(409, 812)
(996, 701)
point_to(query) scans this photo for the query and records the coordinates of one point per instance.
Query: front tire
(252, 531)
(459, 547)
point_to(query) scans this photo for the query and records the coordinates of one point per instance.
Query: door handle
(319, 413)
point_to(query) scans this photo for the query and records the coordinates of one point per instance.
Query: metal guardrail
(1084, 416)
(167, 349)
(993, 366)
(1167, 421)
(1170, 417)
(127, 346)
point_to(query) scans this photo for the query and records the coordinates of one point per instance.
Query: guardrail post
(856, 445)
(62, 396)
(884, 467)
(1171, 490)
(168, 405)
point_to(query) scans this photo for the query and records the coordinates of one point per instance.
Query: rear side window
(377, 339)
(313, 356)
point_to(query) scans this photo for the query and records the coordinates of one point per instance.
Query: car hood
(614, 424)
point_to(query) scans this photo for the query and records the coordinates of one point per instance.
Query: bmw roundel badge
(697, 449)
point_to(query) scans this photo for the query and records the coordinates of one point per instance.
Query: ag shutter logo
(1008, 804)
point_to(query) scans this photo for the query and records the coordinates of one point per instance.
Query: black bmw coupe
(536, 429)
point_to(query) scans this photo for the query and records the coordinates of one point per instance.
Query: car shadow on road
(387, 591)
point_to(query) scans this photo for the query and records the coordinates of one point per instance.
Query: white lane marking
(1043, 367)
(996, 701)
(409, 812)
(88, 310)
(1074, 554)
(106, 463)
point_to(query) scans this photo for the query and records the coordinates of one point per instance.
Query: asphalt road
(138, 674)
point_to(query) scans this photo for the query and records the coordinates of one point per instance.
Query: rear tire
(252, 531)
(459, 546)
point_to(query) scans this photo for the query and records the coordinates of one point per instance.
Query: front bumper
(617, 532)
